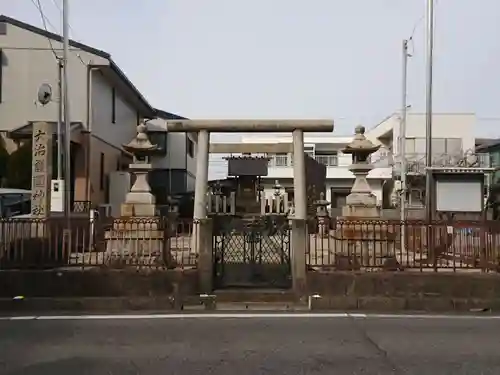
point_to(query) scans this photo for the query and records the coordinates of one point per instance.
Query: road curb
(381, 304)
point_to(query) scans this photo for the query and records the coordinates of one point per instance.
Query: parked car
(14, 202)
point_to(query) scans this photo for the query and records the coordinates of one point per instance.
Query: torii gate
(205, 127)
(300, 240)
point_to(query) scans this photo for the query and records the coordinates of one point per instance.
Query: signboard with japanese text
(41, 169)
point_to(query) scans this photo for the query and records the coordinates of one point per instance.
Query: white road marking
(22, 318)
(247, 316)
(430, 316)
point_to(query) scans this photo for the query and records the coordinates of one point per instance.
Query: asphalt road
(251, 346)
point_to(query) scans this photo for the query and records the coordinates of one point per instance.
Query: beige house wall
(113, 157)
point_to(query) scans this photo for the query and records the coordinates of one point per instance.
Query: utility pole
(402, 131)
(402, 144)
(428, 123)
(67, 121)
(59, 118)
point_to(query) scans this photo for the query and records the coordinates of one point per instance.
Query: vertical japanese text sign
(40, 169)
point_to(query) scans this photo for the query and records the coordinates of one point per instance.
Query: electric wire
(45, 21)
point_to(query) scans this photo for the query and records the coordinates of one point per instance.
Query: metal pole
(402, 131)
(59, 119)
(67, 121)
(428, 134)
(402, 145)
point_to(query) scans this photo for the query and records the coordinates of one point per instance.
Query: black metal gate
(252, 252)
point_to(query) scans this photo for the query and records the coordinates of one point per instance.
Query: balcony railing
(328, 160)
(279, 161)
(287, 161)
(385, 158)
(416, 162)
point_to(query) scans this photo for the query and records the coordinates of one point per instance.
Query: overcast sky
(336, 59)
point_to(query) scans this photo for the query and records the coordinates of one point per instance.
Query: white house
(452, 135)
(326, 149)
(105, 106)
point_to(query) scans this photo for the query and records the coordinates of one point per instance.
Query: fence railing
(98, 242)
(82, 206)
(334, 244)
(408, 245)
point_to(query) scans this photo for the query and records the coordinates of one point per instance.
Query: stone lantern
(360, 239)
(361, 202)
(136, 237)
(140, 202)
(322, 215)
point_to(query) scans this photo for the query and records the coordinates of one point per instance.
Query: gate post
(204, 249)
(300, 242)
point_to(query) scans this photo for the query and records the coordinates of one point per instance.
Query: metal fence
(95, 242)
(163, 243)
(82, 206)
(403, 245)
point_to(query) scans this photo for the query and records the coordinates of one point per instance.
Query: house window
(281, 159)
(159, 139)
(190, 147)
(453, 146)
(417, 197)
(309, 151)
(440, 146)
(338, 198)
(113, 105)
(495, 159)
(415, 146)
(102, 181)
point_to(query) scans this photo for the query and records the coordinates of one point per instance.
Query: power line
(415, 27)
(69, 26)
(45, 21)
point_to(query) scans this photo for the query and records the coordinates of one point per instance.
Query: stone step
(262, 306)
(255, 296)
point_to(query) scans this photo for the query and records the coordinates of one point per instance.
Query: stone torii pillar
(299, 175)
(201, 182)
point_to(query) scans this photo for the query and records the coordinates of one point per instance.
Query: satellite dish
(45, 94)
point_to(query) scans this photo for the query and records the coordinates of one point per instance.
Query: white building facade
(453, 137)
(327, 150)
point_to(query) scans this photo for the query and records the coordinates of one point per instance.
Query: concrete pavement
(250, 344)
